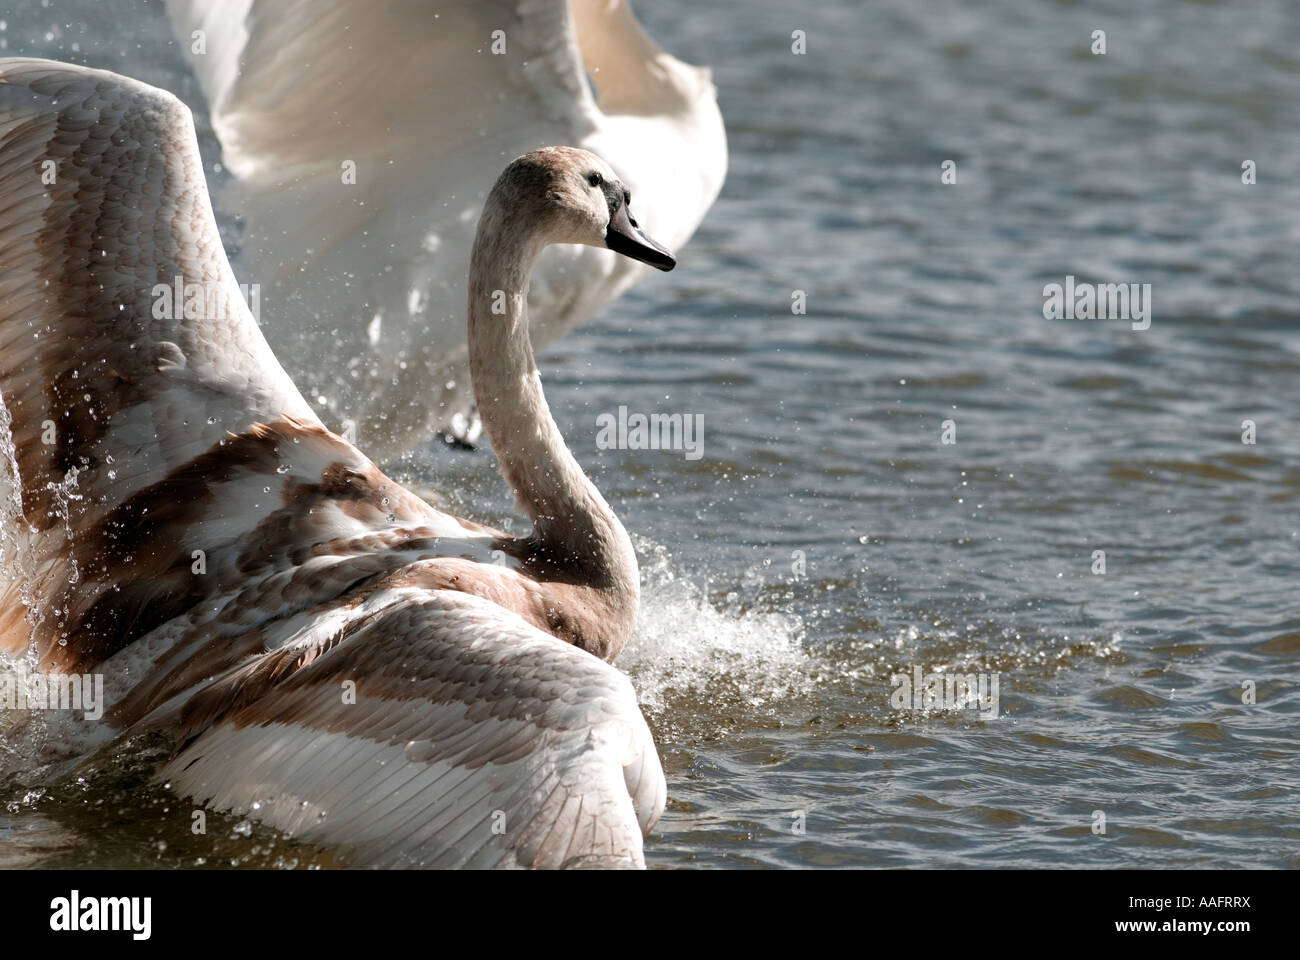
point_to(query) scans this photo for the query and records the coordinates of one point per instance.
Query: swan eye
(627, 196)
(594, 179)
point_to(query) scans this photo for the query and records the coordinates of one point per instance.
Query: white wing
(472, 740)
(426, 102)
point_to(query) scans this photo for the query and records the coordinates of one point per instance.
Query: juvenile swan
(332, 655)
(362, 137)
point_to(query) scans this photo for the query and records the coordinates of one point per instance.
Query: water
(769, 692)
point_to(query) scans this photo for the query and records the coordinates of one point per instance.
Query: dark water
(769, 691)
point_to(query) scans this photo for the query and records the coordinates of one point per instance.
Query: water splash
(20, 552)
(685, 647)
(14, 531)
(19, 729)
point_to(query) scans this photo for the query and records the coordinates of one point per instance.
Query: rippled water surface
(769, 690)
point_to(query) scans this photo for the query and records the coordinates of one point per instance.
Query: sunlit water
(769, 690)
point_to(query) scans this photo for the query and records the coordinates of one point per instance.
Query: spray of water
(15, 564)
(688, 649)
(14, 558)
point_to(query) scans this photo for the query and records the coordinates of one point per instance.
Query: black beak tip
(640, 247)
(623, 236)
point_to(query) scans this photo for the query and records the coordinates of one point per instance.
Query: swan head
(577, 198)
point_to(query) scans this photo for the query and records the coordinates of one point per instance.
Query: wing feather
(104, 206)
(108, 387)
(441, 745)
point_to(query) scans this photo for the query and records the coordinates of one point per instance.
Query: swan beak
(625, 237)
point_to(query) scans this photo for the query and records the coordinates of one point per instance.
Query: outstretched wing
(365, 132)
(109, 384)
(103, 209)
(297, 86)
(434, 729)
(363, 136)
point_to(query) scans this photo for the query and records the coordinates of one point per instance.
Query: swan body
(428, 102)
(330, 654)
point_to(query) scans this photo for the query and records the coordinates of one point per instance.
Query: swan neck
(573, 526)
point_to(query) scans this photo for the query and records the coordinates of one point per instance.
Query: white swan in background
(232, 568)
(428, 101)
